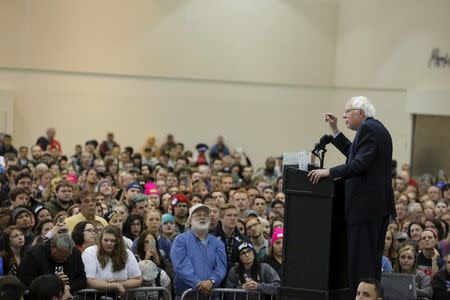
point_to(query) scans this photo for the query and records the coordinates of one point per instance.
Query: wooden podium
(314, 249)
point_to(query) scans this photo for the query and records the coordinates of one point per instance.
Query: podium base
(287, 293)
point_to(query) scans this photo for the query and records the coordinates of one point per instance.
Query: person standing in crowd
(11, 288)
(255, 232)
(84, 235)
(48, 287)
(251, 275)
(87, 211)
(228, 233)
(429, 260)
(199, 259)
(441, 282)
(369, 289)
(369, 200)
(275, 254)
(180, 208)
(58, 256)
(14, 250)
(406, 263)
(109, 265)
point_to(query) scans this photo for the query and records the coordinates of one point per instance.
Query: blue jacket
(194, 262)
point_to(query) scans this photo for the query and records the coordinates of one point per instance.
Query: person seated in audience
(42, 228)
(109, 265)
(11, 288)
(48, 287)
(84, 235)
(14, 250)
(436, 225)
(441, 281)
(251, 275)
(275, 253)
(57, 256)
(369, 289)
(429, 260)
(406, 263)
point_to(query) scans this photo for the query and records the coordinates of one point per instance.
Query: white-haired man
(368, 186)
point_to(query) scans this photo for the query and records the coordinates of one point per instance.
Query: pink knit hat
(277, 234)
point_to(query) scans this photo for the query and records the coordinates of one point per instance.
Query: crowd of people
(114, 218)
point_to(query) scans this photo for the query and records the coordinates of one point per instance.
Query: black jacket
(367, 173)
(38, 261)
(231, 244)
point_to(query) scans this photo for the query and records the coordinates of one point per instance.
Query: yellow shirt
(74, 220)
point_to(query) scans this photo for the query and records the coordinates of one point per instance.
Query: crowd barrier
(142, 293)
(226, 294)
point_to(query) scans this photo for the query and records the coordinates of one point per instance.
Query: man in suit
(368, 186)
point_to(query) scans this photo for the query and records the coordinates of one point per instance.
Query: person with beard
(198, 258)
(270, 173)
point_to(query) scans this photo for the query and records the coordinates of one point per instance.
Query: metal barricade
(141, 293)
(226, 294)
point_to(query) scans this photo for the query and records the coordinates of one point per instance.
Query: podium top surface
(297, 181)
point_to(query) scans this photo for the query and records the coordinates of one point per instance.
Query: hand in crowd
(153, 256)
(63, 277)
(436, 255)
(205, 287)
(67, 295)
(250, 285)
(60, 227)
(120, 290)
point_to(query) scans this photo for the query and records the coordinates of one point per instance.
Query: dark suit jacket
(367, 173)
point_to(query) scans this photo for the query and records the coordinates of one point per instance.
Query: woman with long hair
(133, 226)
(148, 249)
(14, 240)
(84, 235)
(109, 265)
(389, 249)
(406, 263)
(251, 275)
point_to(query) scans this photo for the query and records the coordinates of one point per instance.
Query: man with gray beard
(198, 258)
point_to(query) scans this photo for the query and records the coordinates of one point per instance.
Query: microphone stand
(320, 155)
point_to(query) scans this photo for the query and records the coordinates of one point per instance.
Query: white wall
(261, 73)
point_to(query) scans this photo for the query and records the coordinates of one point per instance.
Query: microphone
(324, 140)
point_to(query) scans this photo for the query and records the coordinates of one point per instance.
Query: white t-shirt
(94, 270)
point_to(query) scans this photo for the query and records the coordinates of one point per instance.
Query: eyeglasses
(182, 206)
(92, 230)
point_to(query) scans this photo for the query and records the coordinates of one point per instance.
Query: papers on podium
(300, 159)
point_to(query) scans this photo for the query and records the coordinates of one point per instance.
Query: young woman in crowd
(133, 226)
(84, 235)
(14, 240)
(148, 249)
(275, 254)
(414, 231)
(251, 275)
(168, 226)
(406, 263)
(109, 265)
(389, 252)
